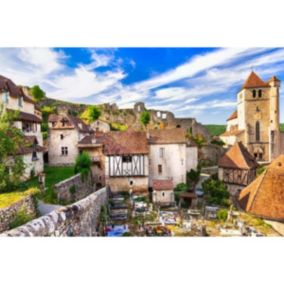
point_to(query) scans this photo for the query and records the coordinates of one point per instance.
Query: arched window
(254, 93)
(257, 131)
(259, 93)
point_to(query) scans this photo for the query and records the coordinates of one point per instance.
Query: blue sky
(191, 82)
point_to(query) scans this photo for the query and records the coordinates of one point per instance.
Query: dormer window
(259, 93)
(61, 136)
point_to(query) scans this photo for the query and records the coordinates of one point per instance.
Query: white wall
(163, 197)
(70, 140)
(173, 163)
(36, 165)
(191, 158)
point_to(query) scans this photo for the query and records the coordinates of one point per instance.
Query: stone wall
(74, 189)
(211, 152)
(8, 214)
(78, 219)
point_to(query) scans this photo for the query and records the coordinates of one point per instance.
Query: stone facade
(8, 214)
(256, 121)
(74, 188)
(78, 219)
(100, 125)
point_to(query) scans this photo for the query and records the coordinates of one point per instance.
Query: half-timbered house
(237, 168)
(126, 163)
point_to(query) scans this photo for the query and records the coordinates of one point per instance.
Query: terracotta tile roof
(94, 139)
(14, 90)
(264, 197)
(29, 144)
(71, 122)
(163, 184)
(125, 143)
(237, 157)
(189, 195)
(24, 116)
(167, 136)
(233, 115)
(254, 81)
(274, 78)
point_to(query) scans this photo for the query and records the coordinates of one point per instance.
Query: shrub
(72, 189)
(37, 93)
(145, 117)
(83, 165)
(222, 214)
(118, 126)
(193, 176)
(216, 192)
(181, 187)
(21, 218)
(217, 142)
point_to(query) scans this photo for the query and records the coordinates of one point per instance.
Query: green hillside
(215, 129)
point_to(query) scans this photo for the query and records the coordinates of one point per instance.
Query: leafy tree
(83, 165)
(11, 164)
(193, 176)
(37, 93)
(91, 114)
(216, 192)
(145, 118)
(181, 187)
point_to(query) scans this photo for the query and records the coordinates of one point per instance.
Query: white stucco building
(28, 120)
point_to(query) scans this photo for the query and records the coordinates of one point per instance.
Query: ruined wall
(211, 153)
(8, 214)
(74, 188)
(78, 219)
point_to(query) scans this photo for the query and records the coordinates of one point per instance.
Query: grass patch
(215, 129)
(7, 199)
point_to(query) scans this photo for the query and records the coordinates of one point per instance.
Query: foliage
(282, 127)
(118, 126)
(181, 187)
(103, 215)
(260, 170)
(11, 164)
(145, 117)
(50, 196)
(46, 111)
(198, 139)
(83, 164)
(216, 192)
(21, 218)
(72, 189)
(6, 199)
(44, 135)
(205, 163)
(215, 130)
(222, 214)
(91, 113)
(192, 176)
(217, 142)
(37, 93)
(127, 234)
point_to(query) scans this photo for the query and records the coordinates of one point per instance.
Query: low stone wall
(74, 189)
(78, 219)
(8, 214)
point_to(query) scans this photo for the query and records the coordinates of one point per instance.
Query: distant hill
(215, 129)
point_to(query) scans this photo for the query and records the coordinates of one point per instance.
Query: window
(64, 151)
(257, 109)
(160, 170)
(34, 156)
(20, 101)
(162, 152)
(259, 93)
(178, 126)
(126, 159)
(61, 136)
(5, 97)
(163, 194)
(260, 156)
(257, 131)
(158, 114)
(164, 115)
(255, 155)
(131, 182)
(254, 93)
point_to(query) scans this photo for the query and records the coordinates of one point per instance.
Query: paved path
(45, 208)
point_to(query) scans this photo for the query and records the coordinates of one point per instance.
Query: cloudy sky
(191, 82)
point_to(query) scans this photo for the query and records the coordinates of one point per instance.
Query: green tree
(193, 176)
(222, 214)
(216, 192)
(11, 163)
(145, 118)
(83, 165)
(37, 93)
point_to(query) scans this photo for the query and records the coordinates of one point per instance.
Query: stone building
(264, 197)
(126, 162)
(256, 121)
(100, 125)
(94, 145)
(170, 158)
(163, 193)
(237, 168)
(16, 98)
(65, 131)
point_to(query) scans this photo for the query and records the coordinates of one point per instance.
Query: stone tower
(256, 121)
(258, 116)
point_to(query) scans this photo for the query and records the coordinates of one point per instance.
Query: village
(159, 175)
